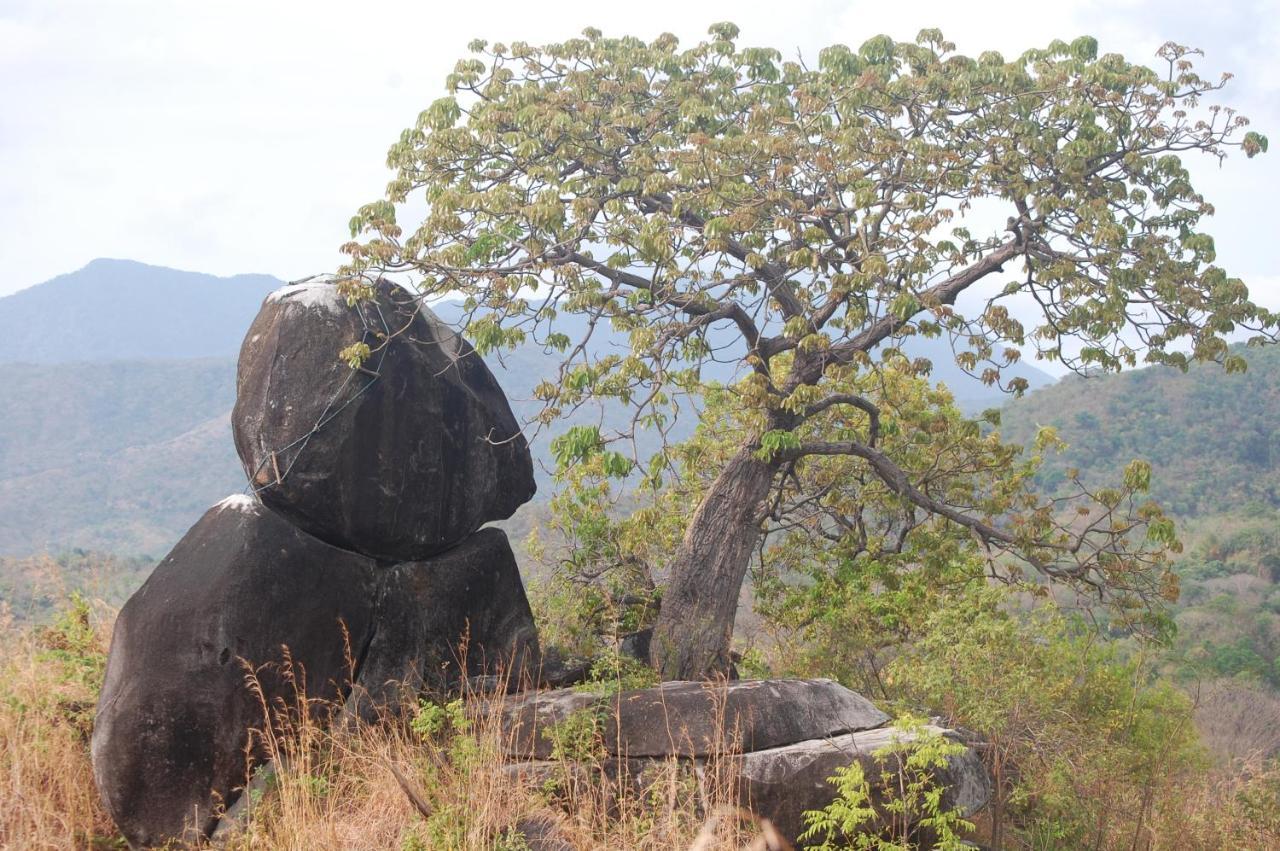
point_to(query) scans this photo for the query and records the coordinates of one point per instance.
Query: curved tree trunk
(695, 623)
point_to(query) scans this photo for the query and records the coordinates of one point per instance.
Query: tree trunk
(695, 623)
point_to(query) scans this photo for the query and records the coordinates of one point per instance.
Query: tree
(718, 203)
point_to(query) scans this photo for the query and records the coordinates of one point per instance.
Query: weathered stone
(173, 721)
(778, 784)
(461, 613)
(692, 719)
(781, 783)
(526, 718)
(401, 459)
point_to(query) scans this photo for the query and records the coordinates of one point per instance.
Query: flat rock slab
(399, 460)
(172, 726)
(460, 614)
(694, 719)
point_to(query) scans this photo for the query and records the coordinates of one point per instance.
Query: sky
(230, 137)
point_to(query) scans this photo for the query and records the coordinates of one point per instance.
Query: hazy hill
(122, 310)
(1211, 438)
(120, 378)
(120, 457)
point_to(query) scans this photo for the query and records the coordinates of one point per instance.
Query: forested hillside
(1211, 437)
(1214, 450)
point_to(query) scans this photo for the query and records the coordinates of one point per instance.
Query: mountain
(120, 379)
(121, 310)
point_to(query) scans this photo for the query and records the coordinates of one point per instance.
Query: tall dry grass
(49, 682)
(439, 778)
(339, 783)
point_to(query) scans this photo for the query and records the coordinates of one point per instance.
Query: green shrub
(856, 820)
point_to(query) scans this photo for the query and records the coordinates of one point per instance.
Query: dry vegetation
(431, 781)
(435, 780)
(49, 679)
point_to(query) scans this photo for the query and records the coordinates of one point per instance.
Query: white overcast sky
(231, 136)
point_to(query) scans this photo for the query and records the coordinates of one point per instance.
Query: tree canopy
(721, 203)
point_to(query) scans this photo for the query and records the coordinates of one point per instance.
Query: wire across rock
(399, 459)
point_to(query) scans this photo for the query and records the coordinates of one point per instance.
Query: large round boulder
(400, 458)
(171, 741)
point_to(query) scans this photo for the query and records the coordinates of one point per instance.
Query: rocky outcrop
(244, 591)
(173, 720)
(400, 459)
(782, 783)
(460, 614)
(693, 719)
(356, 577)
(776, 741)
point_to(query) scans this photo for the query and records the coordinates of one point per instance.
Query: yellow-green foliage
(1086, 747)
(910, 802)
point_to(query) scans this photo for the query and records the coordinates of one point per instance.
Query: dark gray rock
(460, 613)
(636, 645)
(781, 783)
(693, 719)
(401, 464)
(173, 721)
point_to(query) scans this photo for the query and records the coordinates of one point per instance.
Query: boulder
(400, 459)
(694, 719)
(775, 741)
(462, 613)
(171, 743)
(781, 783)
(778, 784)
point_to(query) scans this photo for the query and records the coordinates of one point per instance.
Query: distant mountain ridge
(123, 310)
(120, 379)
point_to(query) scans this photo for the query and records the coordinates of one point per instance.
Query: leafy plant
(907, 798)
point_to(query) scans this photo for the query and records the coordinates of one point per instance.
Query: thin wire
(329, 413)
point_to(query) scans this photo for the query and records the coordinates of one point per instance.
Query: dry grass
(335, 786)
(438, 780)
(49, 681)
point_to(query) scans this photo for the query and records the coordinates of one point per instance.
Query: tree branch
(941, 293)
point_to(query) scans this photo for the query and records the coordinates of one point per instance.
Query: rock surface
(693, 719)
(790, 737)
(425, 610)
(400, 460)
(778, 784)
(172, 723)
(781, 783)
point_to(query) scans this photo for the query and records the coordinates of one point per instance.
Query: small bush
(911, 801)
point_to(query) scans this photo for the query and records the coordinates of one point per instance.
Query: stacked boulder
(357, 566)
